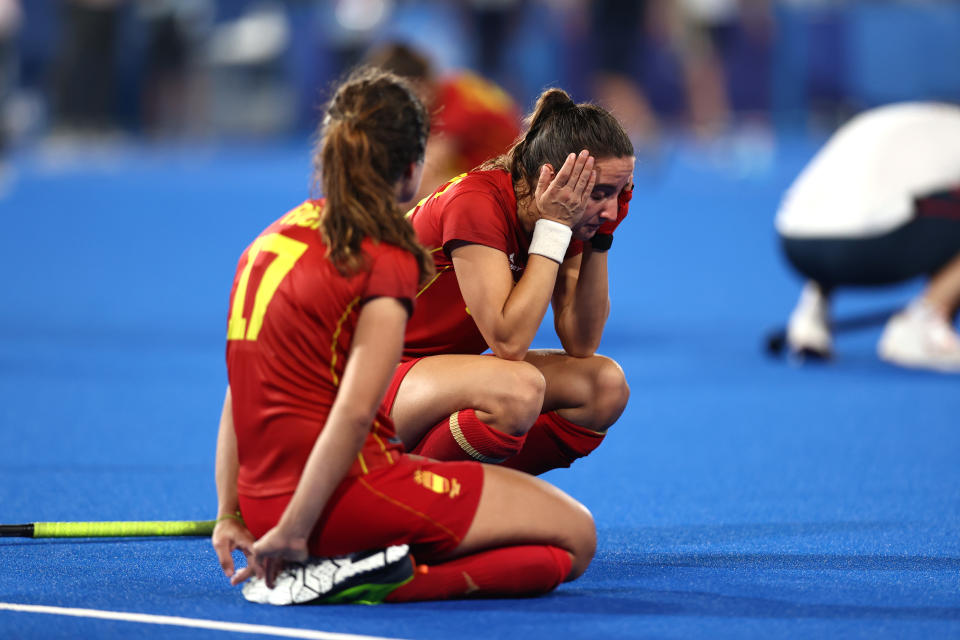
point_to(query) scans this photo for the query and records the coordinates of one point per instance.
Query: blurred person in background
(698, 30)
(472, 119)
(619, 34)
(10, 17)
(170, 100)
(491, 25)
(703, 33)
(880, 204)
(627, 36)
(84, 97)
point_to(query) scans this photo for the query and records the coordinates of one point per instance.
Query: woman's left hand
(274, 550)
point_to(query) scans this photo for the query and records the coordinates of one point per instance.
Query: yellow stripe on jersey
(410, 509)
(383, 446)
(333, 341)
(434, 279)
(363, 463)
(439, 193)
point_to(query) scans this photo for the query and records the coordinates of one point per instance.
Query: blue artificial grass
(739, 496)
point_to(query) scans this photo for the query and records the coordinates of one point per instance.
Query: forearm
(376, 348)
(508, 314)
(581, 320)
(331, 457)
(524, 309)
(227, 462)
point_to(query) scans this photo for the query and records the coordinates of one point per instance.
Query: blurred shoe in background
(920, 338)
(808, 330)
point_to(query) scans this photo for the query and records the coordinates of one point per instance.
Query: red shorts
(402, 370)
(427, 504)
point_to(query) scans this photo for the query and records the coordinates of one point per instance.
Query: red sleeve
(394, 273)
(575, 248)
(475, 217)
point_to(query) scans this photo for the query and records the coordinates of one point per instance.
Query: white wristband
(550, 239)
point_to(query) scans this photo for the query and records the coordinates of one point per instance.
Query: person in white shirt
(880, 204)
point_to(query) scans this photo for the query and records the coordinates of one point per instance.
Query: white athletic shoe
(366, 577)
(808, 330)
(919, 338)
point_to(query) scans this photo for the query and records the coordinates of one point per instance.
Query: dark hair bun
(555, 99)
(550, 102)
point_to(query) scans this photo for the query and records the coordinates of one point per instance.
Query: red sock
(463, 437)
(529, 570)
(553, 442)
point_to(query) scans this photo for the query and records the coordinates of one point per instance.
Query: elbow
(580, 350)
(506, 351)
(577, 344)
(359, 420)
(580, 344)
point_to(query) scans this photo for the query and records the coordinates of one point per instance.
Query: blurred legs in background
(808, 330)
(84, 91)
(10, 18)
(172, 99)
(923, 335)
(619, 31)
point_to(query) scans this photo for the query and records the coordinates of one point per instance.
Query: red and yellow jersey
(479, 207)
(291, 322)
(479, 117)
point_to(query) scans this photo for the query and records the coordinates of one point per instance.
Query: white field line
(216, 625)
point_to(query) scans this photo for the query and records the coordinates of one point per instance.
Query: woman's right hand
(563, 197)
(228, 535)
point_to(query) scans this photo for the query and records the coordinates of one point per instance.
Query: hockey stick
(108, 529)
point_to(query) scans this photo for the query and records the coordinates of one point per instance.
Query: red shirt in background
(478, 117)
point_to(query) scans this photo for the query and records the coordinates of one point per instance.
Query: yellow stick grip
(123, 529)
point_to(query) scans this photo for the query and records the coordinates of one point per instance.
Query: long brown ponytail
(374, 128)
(558, 127)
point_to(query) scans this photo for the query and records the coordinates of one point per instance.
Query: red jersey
(479, 117)
(479, 207)
(292, 319)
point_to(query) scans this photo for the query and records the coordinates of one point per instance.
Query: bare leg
(943, 290)
(590, 392)
(506, 395)
(526, 538)
(516, 508)
(922, 336)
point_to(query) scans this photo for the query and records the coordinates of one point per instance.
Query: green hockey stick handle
(109, 529)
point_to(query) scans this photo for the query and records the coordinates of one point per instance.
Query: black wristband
(601, 241)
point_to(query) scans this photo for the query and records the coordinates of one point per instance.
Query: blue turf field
(738, 496)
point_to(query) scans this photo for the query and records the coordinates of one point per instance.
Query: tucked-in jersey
(479, 117)
(479, 207)
(865, 180)
(291, 322)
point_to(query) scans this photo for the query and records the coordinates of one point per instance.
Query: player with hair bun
(312, 484)
(527, 229)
